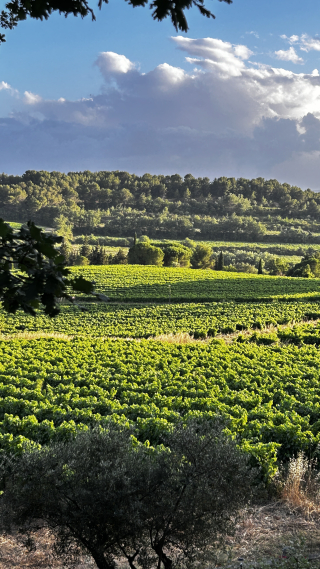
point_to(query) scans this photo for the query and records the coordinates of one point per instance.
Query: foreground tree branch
(18, 10)
(33, 272)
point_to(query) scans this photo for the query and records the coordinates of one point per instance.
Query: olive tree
(207, 481)
(109, 495)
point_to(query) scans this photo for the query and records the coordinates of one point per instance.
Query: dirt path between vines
(178, 338)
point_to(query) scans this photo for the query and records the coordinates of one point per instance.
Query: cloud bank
(224, 114)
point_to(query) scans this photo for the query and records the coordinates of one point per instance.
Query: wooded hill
(119, 204)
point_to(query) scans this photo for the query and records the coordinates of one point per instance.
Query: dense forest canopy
(119, 204)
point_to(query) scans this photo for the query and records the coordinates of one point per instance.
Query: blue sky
(245, 102)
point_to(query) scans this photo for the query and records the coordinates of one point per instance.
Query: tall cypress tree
(94, 256)
(260, 271)
(220, 264)
(85, 249)
(66, 250)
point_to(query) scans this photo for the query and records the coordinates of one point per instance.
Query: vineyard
(145, 320)
(264, 380)
(130, 283)
(51, 387)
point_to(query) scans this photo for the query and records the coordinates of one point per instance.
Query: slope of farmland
(136, 283)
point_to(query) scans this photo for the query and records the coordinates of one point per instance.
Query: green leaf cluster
(33, 272)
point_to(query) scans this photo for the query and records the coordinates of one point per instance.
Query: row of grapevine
(145, 320)
(270, 395)
(135, 283)
(298, 334)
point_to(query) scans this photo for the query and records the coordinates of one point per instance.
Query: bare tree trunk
(167, 562)
(100, 560)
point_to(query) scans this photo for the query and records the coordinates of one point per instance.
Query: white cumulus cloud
(222, 114)
(111, 63)
(288, 55)
(31, 98)
(304, 42)
(309, 44)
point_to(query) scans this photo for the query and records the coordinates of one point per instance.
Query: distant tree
(260, 269)
(145, 254)
(220, 262)
(94, 257)
(144, 239)
(308, 267)
(176, 255)
(63, 227)
(98, 256)
(186, 194)
(66, 250)
(135, 238)
(105, 494)
(42, 9)
(277, 266)
(201, 257)
(307, 272)
(189, 243)
(87, 220)
(85, 249)
(73, 257)
(120, 258)
(33, 272)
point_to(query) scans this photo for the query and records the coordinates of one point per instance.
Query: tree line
(187, 253)
(118, 203)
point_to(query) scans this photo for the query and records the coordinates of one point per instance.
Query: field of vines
(264, 379)
(270, 395)
(145, 320)
(130, 283)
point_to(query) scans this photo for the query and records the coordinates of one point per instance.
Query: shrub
(266, 339)
(200, 334)
(212, 332)
(108, 495)
(241, 339)
(145, 254)
(228, 329)
(81, 261)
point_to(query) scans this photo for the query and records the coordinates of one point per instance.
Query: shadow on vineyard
(217, 290)
(152, 284)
